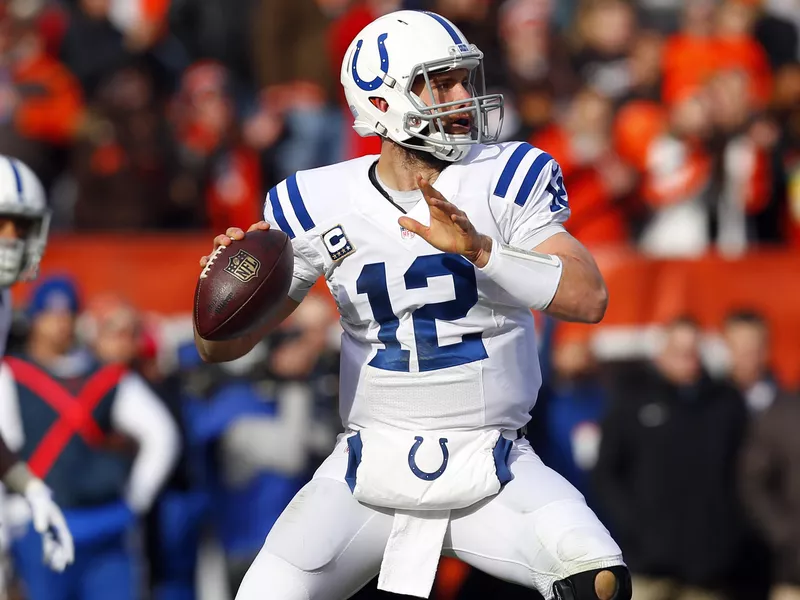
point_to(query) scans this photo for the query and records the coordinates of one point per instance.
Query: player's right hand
(231, 234)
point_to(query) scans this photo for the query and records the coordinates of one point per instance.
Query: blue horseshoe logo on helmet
(419, 472)
(369, 86)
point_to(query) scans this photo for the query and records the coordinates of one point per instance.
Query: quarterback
(23, 235)
(435, 252)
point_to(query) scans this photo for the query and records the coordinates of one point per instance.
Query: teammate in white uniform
(24, 222)
(435, 287)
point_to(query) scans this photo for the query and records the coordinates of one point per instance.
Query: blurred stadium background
(155, 124)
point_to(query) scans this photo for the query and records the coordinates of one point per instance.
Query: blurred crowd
(677, 124)
(692, 463)
(677, 127)
(692, 467)
(229, 447)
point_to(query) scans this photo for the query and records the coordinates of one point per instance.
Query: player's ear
(380, 103)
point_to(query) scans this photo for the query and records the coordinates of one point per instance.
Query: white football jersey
(423, 346)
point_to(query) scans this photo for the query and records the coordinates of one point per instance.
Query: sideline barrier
(157, 272)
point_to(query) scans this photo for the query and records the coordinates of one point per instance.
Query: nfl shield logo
(406, 234)
(243, 265)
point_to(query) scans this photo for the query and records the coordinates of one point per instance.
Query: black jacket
(666, 476)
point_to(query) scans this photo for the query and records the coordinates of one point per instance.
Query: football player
(435, 252)
(24, 222)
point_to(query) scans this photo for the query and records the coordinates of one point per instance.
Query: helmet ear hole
(380, 103)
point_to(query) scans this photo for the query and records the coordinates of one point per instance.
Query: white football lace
(211, 259)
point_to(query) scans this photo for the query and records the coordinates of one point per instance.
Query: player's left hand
(49, 522)
(450, 230)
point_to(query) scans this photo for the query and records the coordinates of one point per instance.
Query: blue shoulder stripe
(277, 212)
(501, 189)
(297, 203)
(444, 23)
(17, 177)
(531, 177)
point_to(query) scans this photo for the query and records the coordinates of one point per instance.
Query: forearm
(559, 276)
(217, 352)
(582, 295)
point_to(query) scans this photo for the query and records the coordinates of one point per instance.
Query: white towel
(412, 552)
(423, 476)
(430, 470)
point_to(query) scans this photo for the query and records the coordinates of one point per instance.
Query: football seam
(204, 275)
(211, 259)
(218, 327)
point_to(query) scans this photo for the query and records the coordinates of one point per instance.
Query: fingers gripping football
(231, 234)
(244, 282)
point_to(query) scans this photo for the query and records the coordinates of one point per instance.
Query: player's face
(450, 86)
(14, 229)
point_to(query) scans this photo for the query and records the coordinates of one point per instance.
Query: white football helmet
(22, 197)
(384, 60)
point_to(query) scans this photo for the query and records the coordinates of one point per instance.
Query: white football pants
(326, 545)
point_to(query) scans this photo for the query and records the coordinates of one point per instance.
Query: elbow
(597, 305)
(207, 357)
(216, 352)
(210, 352)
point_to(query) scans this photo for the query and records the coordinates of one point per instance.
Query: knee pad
(612, 583)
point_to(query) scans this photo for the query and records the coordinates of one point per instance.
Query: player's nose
(460, 92)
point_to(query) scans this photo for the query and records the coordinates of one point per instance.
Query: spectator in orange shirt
(595, 176)
(212, 146)
(742, 150)
(736, 47)
(709, 175)
(677, 173)
(42, 103)
(689, 56)
(715, 38)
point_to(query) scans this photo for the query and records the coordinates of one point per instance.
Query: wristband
(530, 278)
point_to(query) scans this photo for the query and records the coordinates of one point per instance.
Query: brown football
(243, 285)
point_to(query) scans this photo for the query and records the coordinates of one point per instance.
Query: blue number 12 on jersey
(430, 354)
